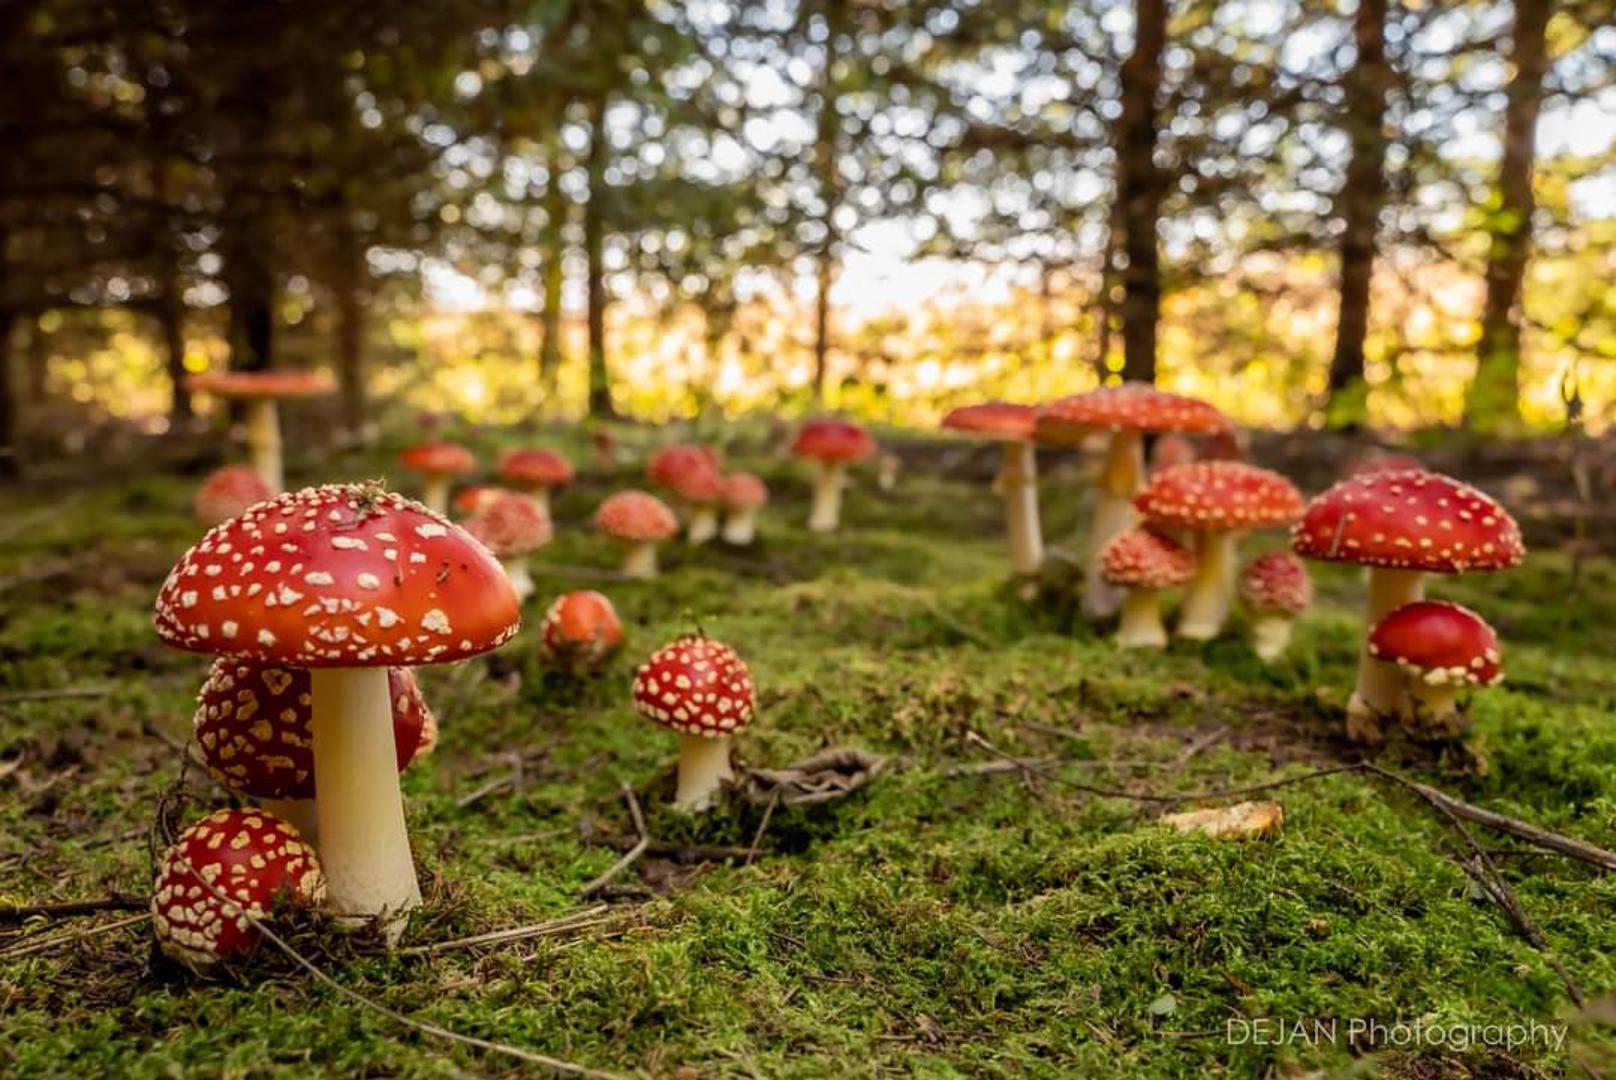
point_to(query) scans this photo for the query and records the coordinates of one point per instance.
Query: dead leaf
(829, 774)
(1230, 822)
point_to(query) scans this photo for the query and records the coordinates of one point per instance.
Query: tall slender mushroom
(259, 392)
(513, 527)
(743, 495)
(1402, 526)
(536, 471)
(1145, 563)
(1275, 589)
(832, 445)
(580, 633)
(692, 475)
(1126, 412)
(1017, 481)
(1440, 647)
(642, 521)
(437, 463)
(345, 581)
(701, 689)
(227, 492)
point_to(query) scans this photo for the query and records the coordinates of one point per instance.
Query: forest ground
(955, 917)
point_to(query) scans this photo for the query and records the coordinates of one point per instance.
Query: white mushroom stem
(827, 510)
(703, 768)
(1381, 691)
(641, 561)
(517, 573)
(1435, 704)
(886, 474)
(264, 442)
(740, 527)
(703, 523)
(435, 492)
(1141, 626)
(1207, 596)
(1113, 515)
(1271, 636)
(298, 813)
(1018, 485)
(541, 499)
(364, 845)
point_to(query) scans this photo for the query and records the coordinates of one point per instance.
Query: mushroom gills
(703, 769)
(1114, 515)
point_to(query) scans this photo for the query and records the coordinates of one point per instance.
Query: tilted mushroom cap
(636, 516)
(1276, 584)
(537, 468)
(744, 491)
(1141, 559)
(469, 500)
(1439, 643)
(697, 686)
(690, 472)
(227, 492)
(261, 384)
(510, 525)
(346, 575)
(1412, 520)
(438, 459)
(994, 420)
(1129, 407)
(254, 859)
(252, 723)
(832, 441)
(581, 629)
(1213, 496)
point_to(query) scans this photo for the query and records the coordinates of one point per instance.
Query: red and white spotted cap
(636, 516)
(1410, 520)
(252, 723)
(254, 859)
(1141, 559)
(535, 468)
(696, 686)
(438, 459)
(1216, 496)
(510, 525)
(994, 420)
(1276, 584)
(581, 631)
(690, 472)
(1129, 407)
(1441, 644)
(346, 575)
(832, 441)
(229, 491)
(744, 491)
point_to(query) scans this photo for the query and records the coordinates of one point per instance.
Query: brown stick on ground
(633, 854)
(68, 908)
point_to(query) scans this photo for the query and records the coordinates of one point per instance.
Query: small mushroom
(536, 471)
(743, 495)
(642, 521)
(1275, 589)
(513, 527)
(1017, 481)
(701, 689)
(832, 445)
(1145, 563)
(255, 860)
(472, 498)
(227, 492)
(581, 632)
(437, 463)
(1440, 647)
(259, 392)
(692, 474)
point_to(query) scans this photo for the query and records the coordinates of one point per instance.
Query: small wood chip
(1236, 822)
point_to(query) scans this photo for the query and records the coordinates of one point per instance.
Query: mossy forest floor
(949, 920)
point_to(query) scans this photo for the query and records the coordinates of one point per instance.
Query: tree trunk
(38, 362)
(1493, 401)
(250, 276)
(353, 273)
(10, 435)
(600, 387)
(1141, 186)
(555, 208)
(1358, 205)
(827, 164)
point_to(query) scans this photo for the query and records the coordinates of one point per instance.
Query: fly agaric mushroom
(1144, 563)
(437, 463)
(230, 865)
(536, 471)
(252, 725)
(581, 631)
(1218, 501)
(1170, 450)
(702, 690)
(832, 445)
(513, 527)
(227, 492)
(1440, 647)
(1126, 412)
(469, 500)
(1275, 589)
(1017, 482)
(345, 580)
(259, 392)
(1402, 525)
(743, 495)
(692, 474)
(642, 521)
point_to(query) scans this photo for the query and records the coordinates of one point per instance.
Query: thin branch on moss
(763, 827)
(68, 908)
(52, 939)
(633, 854)
(578, 920)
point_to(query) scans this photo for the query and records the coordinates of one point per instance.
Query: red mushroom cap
(1141, 559)
(1276, 584)
(690, 472)
(637, 516)
(1170, 450)
(1129, 407)
(581, 631)
(346, 575)
(261, 384)
(1213, 496)
(833, 441)
(995, 420)
(1438, 642)
(227, 492)
(537, 468)
(438, 459)
(510, 525)
(744, 491)
(697, 686)
(1411, 521)
(469, 500)
(254, 859)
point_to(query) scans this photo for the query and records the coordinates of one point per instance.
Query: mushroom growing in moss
(1144, 563)
(227, 492)
(832, 445)
(1440, 648)
(260, 392)
(513, 527)
(703, 691)
(743, 495)
(536, 471)
(692, 474)
(580, 633)
(641, 521)
(437, 464)
(1017, 480)
(1275, 589)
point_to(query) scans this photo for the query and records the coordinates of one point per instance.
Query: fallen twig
(69, 908)
(43, 942)
(763, 827)
(633, 854)
(578, 920)
(679, 853)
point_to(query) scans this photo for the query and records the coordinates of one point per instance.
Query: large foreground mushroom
(1440, 647)
(259, 392)
(1017, 482)
(701, 689)
(345, 581)
(832, 445)
(1402, 525)
(1126, 412)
